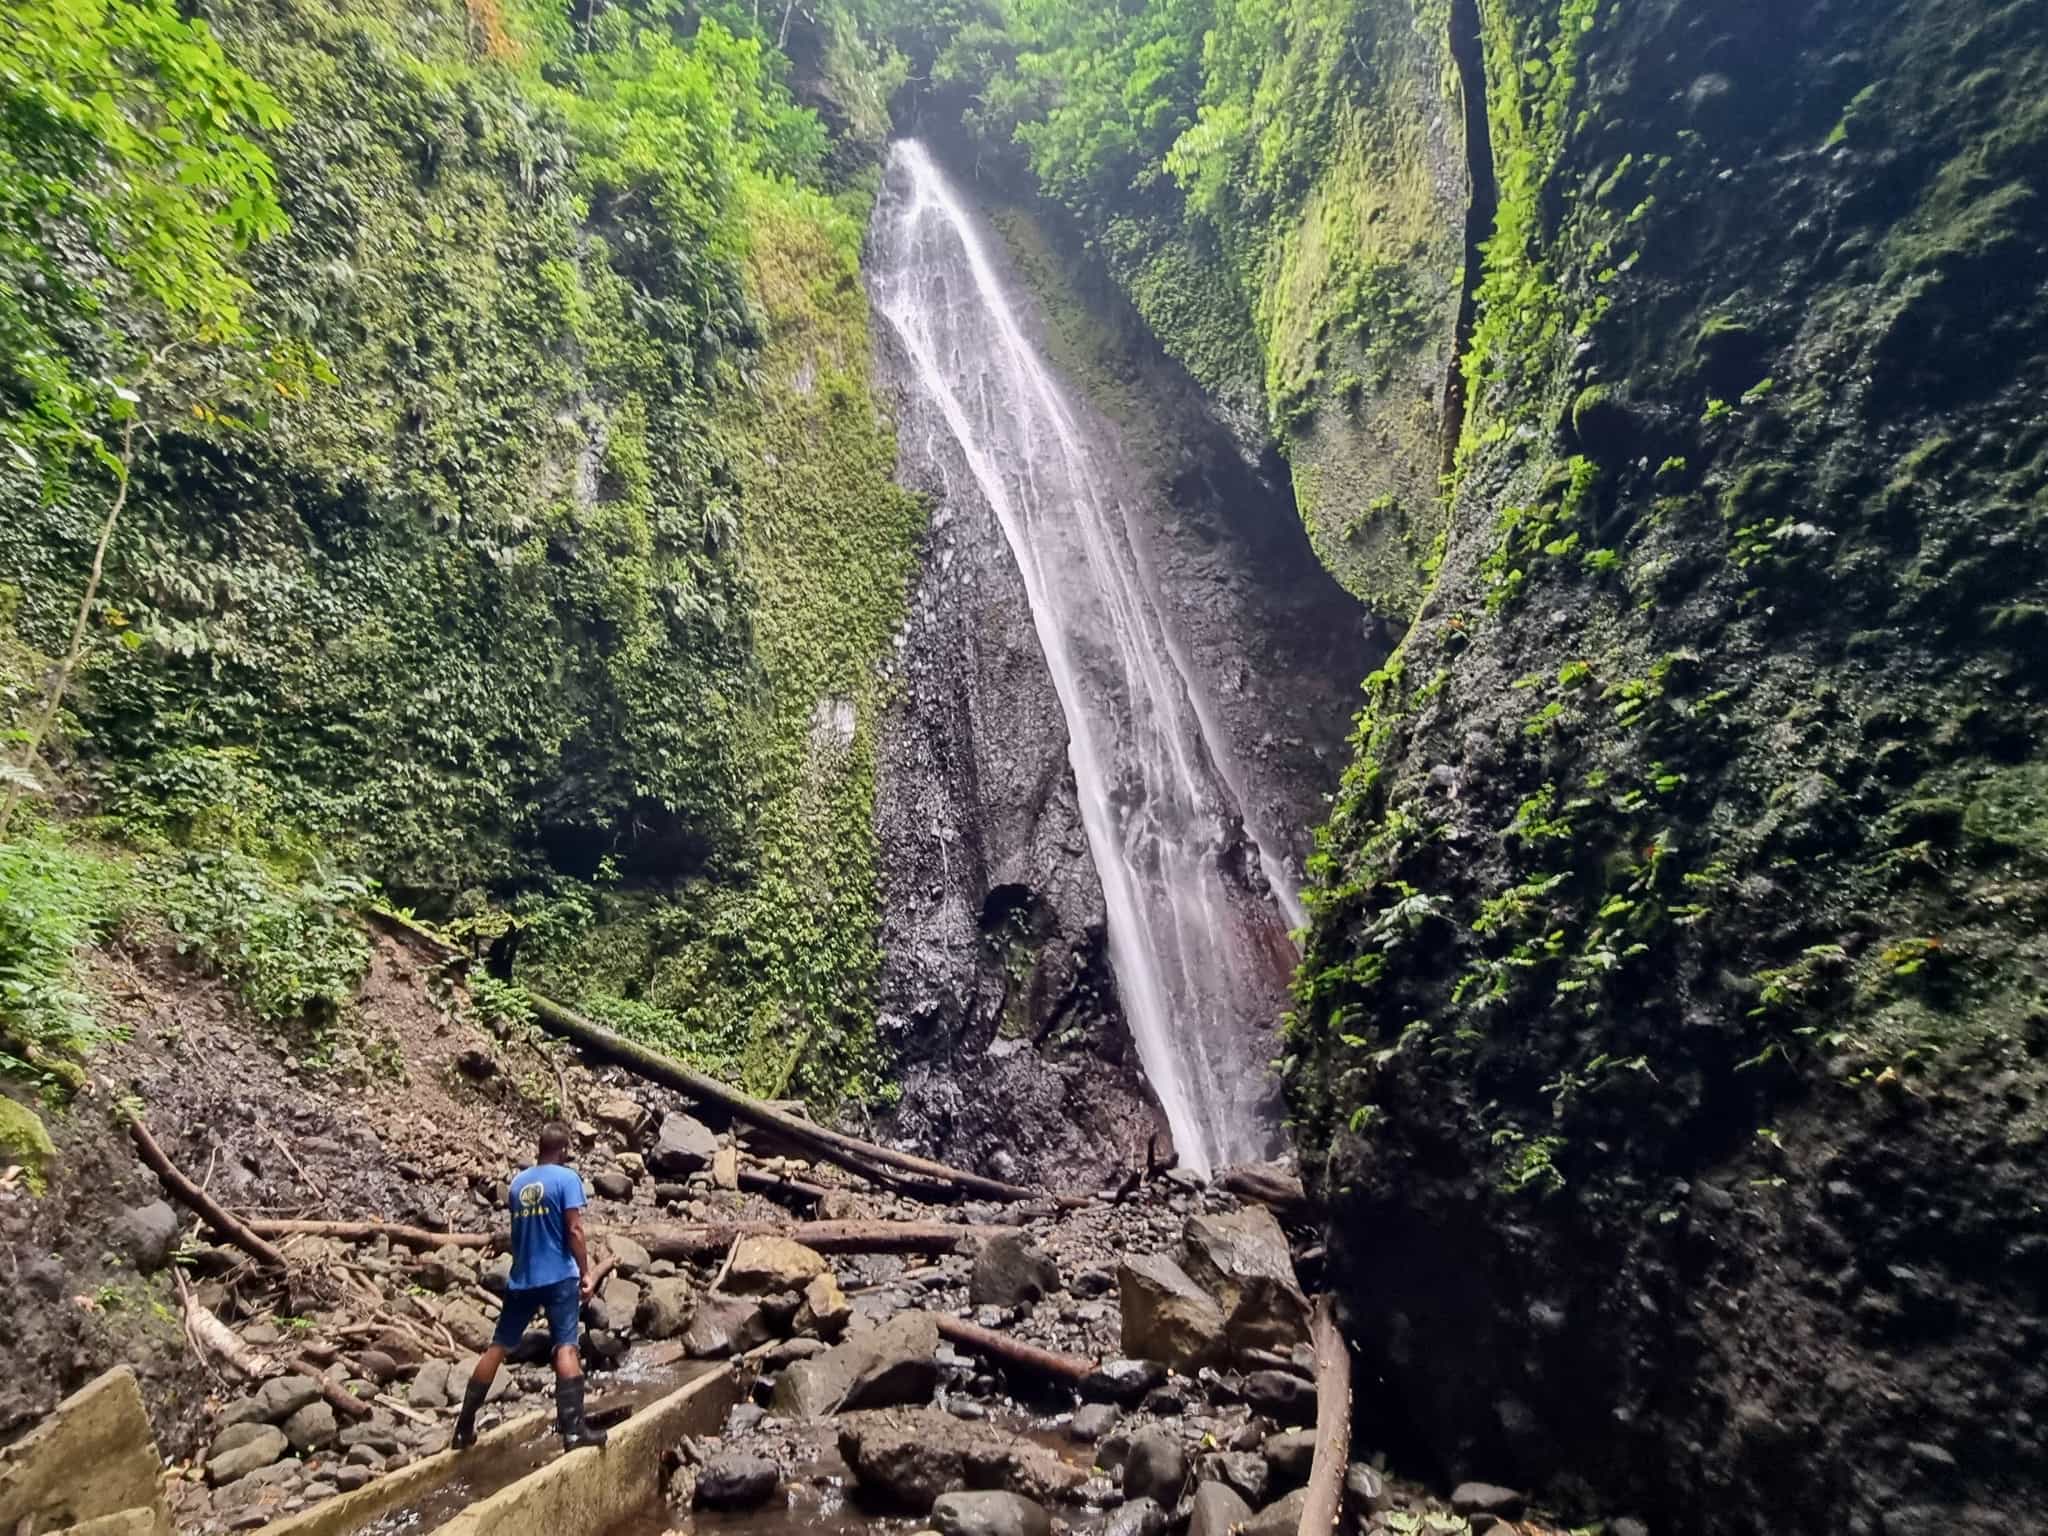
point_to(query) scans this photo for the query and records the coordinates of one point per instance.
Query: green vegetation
(456, 553)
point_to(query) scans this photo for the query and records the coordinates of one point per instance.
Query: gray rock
(909, 1457)
(621, 1303)
(612, 1184)
(261, 1446)
(1627, 1525)
(1241, 1471)
(235, 1436)
(496, 1275)
(1122, 1381)
(989, 1514)
(349, 1478)
(1092, 1421)
(1137, 1517)
(1218, 1511)
(361, 1455)
(1166, 1316)
(1278, 1519)
(1010, 1269)
(377, 1365)
(626, 1116)
(722, 1326)
(1289, 1455)
(311, 1427)
(825, 1310)
(429, 1389)
(666, 1306)
(144, 1235)
(1156, 1467)
(282, 1396)
(768, 1266)
(683, 1146)
(1093, 1282)
(734, 1481)
(1242, 1260)
(1486, 1499)
(891, 1363)
(1281, 1395)
(628, 1255)
(1363, 1487)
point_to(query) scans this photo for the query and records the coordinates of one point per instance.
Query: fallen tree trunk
(678, 1240)
(1068, 1370)
(863, 1157)
(918, 1175)
(369, 1232)
(1325, 1493)
(229, 1227)
(774, 1186)
(703, 1241)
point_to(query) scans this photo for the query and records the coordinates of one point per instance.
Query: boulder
(1122, 1381)
(992, 1513)
(621, 1303)
(908, 1457)
(890, 1363)
(1137, 1517)
(1010, 1269)
(1289, 1455)
(722, 1326)
(684, 1145)
(377, 1366)
(665, 1307)
(1243, 1472)
(612, 1184)
(25, 1143)
(725, 1168)
(1278, 1519)
(627, 1256)
(471, 1329)
(234, 1437)
(428, 1389)
(825, 1310)
(1241, 1259)
(1166, 1316)
(259, 1448)
(1156, 1466)
(1218, 1511)
(626, 1116)
(1470, 1499)
(1367, 1490)
(733, 1481)
(144, 1235)
(1092, 1421)
(765, 1265)
(311, 1427)
(496, 1275)
(1282, 1396)
(282, 1396)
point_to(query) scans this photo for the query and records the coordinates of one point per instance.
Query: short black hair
(554, 1139)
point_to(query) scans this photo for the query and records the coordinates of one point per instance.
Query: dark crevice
(1468, 53)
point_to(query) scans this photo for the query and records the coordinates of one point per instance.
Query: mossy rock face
(1730, 356)
(1603, 426)
(25, 1143)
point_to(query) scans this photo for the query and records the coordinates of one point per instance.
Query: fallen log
(776, 1187)
(229, 1227)
(867, 1158)
(678, 1240)
(1068, 1370)
(1325, 1492)
(1280, 1191)
(703, 1241)
(369, 1232)
(212, 1340)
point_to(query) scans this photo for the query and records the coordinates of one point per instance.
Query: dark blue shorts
(563, 1303)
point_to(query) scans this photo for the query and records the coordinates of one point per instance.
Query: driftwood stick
(1325, 1493)
(1070, 1370)
(213, 1341)
(230, 1227)
(776, 1187)
(298, 1167)
(340, 1401)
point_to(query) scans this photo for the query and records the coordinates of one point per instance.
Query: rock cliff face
(997, 988)
(1672, 1024)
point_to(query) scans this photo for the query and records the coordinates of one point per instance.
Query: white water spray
(1196, 935)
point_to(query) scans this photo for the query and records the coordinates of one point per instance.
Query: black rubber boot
(569, 1415)
(465, 1424)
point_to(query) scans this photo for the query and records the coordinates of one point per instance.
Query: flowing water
(1197, 935)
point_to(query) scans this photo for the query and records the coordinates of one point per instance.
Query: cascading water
(1197, 936)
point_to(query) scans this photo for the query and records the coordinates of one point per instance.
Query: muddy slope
(1673, 1023)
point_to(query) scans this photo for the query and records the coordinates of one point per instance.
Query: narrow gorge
(1131, 602)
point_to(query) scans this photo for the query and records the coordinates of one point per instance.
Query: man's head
(554, 1142)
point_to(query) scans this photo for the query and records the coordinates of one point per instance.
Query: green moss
(25, 1143)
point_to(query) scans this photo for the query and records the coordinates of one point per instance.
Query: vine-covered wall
(507, 613)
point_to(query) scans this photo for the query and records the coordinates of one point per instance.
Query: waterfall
(1197, 936)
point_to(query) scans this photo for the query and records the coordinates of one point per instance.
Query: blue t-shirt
(542, 1197)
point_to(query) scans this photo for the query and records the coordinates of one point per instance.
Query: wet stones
(910, 1457)
(891, 1363)
(241, 1448)
(1092, 1421)
(1123, 1381)
(734, 1481)
(1281, 1395)
(1155, 1467)
(1470, 1499)
(1218, 1511)
(993, 1513)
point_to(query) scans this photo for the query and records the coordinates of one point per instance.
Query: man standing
(551, 1273)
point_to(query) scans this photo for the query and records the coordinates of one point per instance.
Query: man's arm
(578, 1250)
